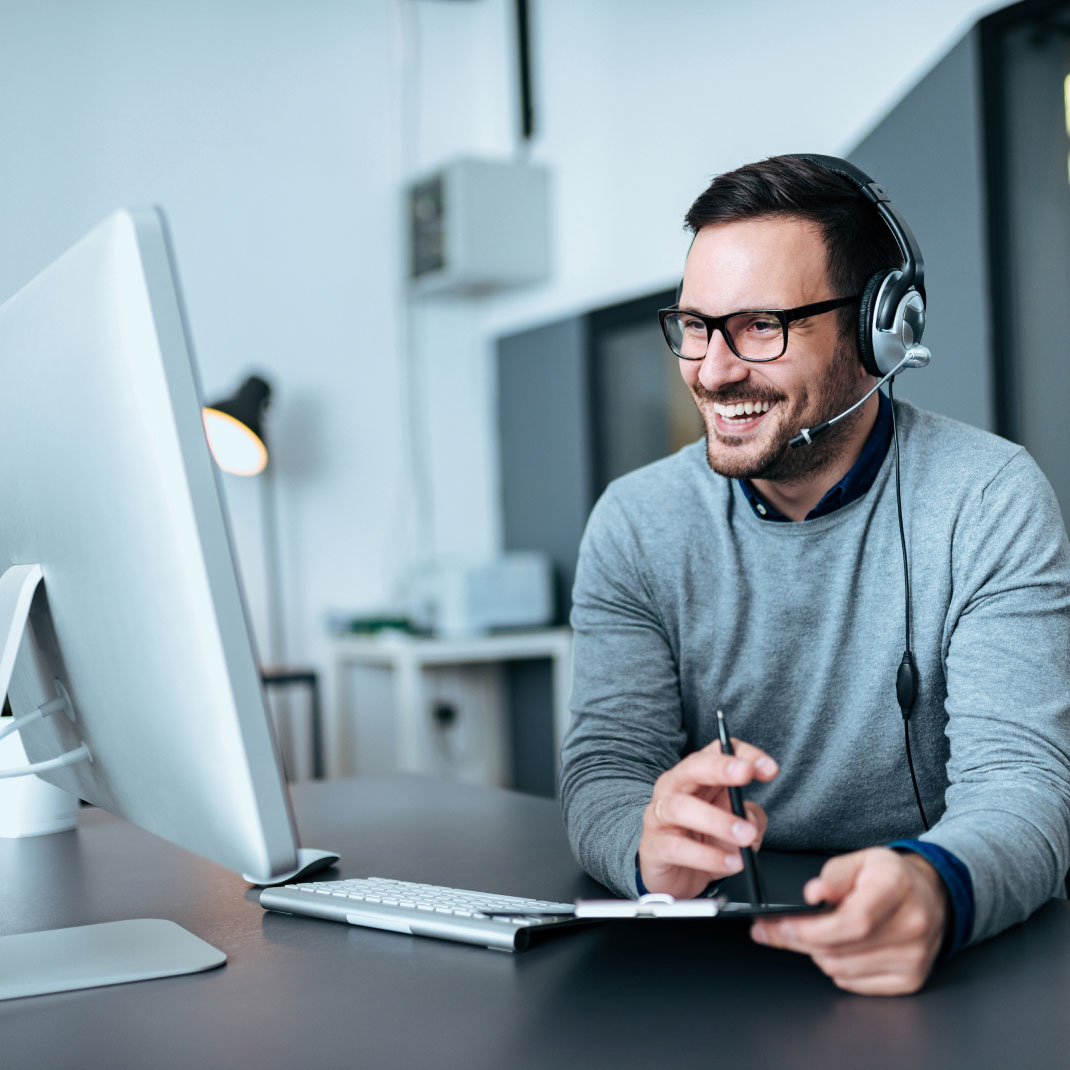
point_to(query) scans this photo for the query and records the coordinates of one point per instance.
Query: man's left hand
(885, 931)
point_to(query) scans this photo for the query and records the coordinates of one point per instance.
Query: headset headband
(913, 270)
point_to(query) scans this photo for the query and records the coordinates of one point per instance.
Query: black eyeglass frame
(786, 316)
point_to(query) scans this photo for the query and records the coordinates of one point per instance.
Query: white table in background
(408, 658)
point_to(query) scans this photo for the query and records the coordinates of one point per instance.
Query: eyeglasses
(753, 336)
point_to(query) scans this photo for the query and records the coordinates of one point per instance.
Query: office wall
(928, 153)
(268, 132)
(276, 135)
(1036, 200)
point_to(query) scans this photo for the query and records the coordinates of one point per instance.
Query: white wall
(640, 104)
(276, 135)
(268, 132)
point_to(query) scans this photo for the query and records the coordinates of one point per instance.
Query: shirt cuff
(959, 885)
(640, 887)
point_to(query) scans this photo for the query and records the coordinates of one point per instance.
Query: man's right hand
(690, 835)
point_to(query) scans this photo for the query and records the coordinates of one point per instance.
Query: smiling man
(768, 581)
(751, 414)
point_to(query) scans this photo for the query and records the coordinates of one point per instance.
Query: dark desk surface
(304, 993)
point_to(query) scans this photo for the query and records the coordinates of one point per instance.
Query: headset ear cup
(866, 313)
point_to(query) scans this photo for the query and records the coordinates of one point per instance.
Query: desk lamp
(235, 428)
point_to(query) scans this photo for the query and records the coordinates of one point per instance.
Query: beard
(737, 458)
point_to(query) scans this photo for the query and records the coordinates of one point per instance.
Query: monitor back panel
(108, 483)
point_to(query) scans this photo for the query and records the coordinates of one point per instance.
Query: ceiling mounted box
(476, 226)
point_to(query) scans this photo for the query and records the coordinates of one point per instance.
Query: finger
(757, 817)
(880, 973)
(785, 936)
(838, 876)
(881, 985)
(906, 960)
(871, 880)
(856, 925)
(868, 895)
(766, 767)
(679, 849)
(708, 768)
(693, 814)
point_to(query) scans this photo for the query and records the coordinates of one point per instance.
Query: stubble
(778, 462)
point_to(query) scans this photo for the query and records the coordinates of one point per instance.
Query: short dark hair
(858, 243)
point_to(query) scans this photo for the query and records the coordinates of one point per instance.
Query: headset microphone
(915, 357)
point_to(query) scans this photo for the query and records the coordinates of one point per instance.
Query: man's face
(769, 264)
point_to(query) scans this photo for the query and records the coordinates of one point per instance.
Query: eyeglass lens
(754, 335)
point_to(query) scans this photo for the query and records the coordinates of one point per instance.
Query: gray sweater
(685, 601)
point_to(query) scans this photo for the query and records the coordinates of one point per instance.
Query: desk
(297, 992)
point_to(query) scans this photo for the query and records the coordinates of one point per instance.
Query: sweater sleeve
(626, 727)
(1007, 657)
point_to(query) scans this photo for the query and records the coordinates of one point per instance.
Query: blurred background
(439, 230)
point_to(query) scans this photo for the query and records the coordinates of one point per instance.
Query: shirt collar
(853, 485)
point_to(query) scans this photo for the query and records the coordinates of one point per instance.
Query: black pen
(750, 862)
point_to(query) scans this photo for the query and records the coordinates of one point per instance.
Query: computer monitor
(138, 623)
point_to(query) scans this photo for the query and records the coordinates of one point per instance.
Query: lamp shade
(234, 427)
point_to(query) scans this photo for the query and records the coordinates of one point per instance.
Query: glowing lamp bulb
(235, 447)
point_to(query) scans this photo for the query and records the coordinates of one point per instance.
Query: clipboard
(663, 905)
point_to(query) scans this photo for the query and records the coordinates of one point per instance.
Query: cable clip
(906, 684)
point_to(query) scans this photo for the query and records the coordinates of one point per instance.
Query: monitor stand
(111, 953)
(86, 956)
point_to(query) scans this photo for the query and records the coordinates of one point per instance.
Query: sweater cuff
(959, 885)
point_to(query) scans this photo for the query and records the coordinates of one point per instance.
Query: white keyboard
(422, 910)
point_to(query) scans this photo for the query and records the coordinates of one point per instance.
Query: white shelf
(408, 659)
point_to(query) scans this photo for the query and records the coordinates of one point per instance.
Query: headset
(891, 309)
(891, 319)
(891, 312)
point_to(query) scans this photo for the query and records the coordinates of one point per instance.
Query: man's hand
(891, 911)
(690, 835)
